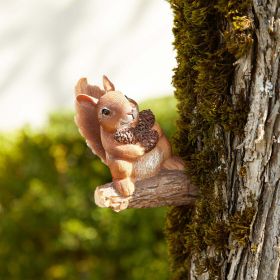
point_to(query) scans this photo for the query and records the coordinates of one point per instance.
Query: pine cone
(125, 136)
(146, 120)
(147, 138)
(142, 133)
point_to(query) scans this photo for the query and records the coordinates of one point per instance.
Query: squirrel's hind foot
(124, 186)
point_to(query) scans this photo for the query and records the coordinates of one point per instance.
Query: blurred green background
(49, 225)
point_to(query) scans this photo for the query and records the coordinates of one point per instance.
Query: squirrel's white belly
(149, 164)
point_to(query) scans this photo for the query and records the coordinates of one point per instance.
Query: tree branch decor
(169, 187)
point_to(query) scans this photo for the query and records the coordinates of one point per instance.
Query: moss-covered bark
(209, 37)
(227, 84)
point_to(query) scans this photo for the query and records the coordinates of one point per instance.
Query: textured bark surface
(254, 162)
(259, 154)
(169, 187)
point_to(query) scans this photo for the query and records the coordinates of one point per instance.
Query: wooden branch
(169, 187)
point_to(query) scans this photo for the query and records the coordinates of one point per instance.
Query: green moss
(239, 224)
(209, 37)
(238, 37)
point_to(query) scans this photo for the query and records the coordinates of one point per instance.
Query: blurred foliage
(49, 225)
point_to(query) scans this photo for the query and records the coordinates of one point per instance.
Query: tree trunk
(247, 221)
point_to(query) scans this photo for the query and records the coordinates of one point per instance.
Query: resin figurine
(129, 142)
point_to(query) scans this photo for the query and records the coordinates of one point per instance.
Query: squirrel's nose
(133, 113)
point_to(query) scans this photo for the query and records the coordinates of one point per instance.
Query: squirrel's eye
(105, 112)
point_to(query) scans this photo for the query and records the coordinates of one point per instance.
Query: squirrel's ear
(84, 99)
(107, 84)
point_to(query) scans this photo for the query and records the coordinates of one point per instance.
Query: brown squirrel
(129, 142)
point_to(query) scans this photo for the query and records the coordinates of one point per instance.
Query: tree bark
(253, 166)
(259, 154)
(169, 187)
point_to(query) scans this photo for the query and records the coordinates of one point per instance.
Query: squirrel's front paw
(124, 186)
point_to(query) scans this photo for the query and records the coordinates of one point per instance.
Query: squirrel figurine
(129, 142)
